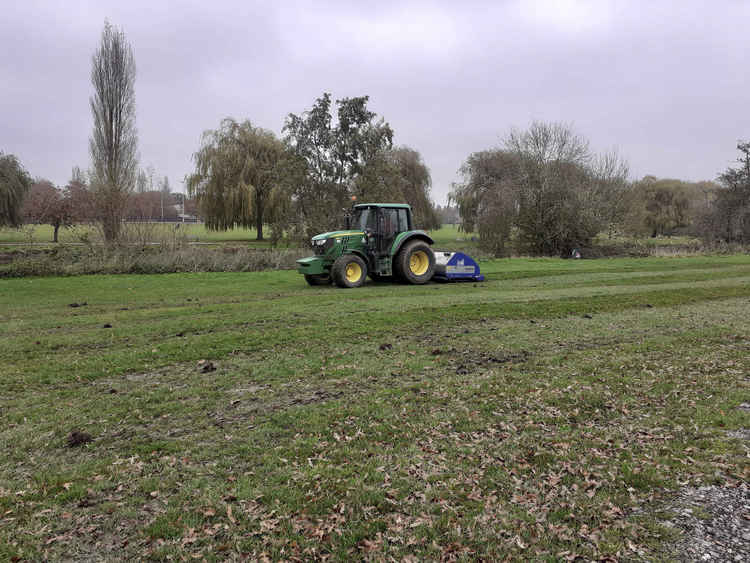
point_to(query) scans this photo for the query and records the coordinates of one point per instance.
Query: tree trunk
(110, 226)
(54, 234)
(259, 219)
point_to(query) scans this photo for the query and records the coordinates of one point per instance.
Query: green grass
(527, 417)
(648, 241)
(450, 237)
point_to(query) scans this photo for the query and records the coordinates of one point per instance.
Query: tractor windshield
(364, 218)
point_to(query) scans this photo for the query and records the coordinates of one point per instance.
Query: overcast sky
(665, 83)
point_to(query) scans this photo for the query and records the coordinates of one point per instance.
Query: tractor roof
(396, 205)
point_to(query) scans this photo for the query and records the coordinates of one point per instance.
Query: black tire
(318, 279)
(349, 270)
(415, 262)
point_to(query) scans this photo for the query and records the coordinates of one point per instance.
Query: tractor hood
(337, 234)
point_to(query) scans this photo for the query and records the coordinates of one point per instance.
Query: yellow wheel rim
(419, 262)
(353, 272)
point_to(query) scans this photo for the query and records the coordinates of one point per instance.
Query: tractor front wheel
(318, 279)
(415, 263)
(349, 270)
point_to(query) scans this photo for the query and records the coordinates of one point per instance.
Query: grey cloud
(664, 82)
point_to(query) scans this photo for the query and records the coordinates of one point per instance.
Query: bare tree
(82, 205)
(113, 143)
(164, 186)
(610, 189)
(728, 216)
(545, 188)
(78, 175)
(164, 192)
(141, 182)
(47, 205)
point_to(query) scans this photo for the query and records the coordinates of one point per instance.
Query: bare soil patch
(714, 522)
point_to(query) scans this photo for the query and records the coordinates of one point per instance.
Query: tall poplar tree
(114, 140)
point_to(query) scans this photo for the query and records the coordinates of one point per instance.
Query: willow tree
(399, 175)
(487, 199)
(415, 181)
(114, 141)
(237, 180)
(14, 183)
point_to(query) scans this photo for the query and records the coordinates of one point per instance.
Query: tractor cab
(382, 224)
(379, 241)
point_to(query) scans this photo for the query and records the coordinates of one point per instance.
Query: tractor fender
(367, 259)
(407, 236)
(358, 253)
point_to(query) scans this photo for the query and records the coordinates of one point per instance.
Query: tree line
(542, 191)
(43, 203)
(299, 184)
(545, 192)
(244, 175)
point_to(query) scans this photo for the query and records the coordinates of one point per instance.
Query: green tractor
(380, 241)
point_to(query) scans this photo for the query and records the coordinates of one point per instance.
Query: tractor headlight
(320, 246)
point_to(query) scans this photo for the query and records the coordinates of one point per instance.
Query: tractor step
(455, 266)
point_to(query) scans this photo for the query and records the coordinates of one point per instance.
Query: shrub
(155, 259)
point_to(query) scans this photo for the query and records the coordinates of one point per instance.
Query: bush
(157, 259)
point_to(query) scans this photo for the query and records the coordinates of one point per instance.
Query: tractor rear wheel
(349, 270)
(318, 279)
(415, 263)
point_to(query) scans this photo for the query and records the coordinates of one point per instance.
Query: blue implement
(455, 266)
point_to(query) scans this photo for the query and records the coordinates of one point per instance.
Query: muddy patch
(467, 361)
(152, 377)
(251, 401)
(317, 396)
(248, 390)
(77, 438)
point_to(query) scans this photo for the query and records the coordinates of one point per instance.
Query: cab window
(365, 219)
(391, 226)
(403, 220)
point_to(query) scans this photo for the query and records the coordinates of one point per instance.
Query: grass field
(541, 415)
